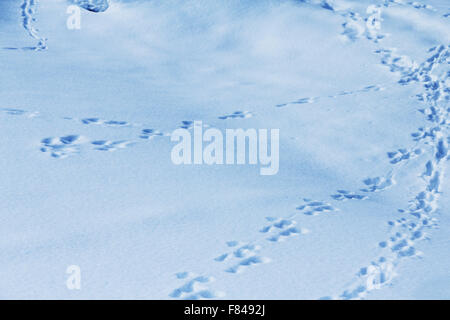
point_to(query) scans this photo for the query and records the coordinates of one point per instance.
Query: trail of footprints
(404, 232)
(408, 230)
(418, 218)
(276, 230)
(356, 27)
(28, 12)
(244, 256)
(401, 243)
(71, 144)
(67, 145)
(339, 94)
(62, 147)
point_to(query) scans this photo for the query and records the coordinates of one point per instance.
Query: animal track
(378, 183)
(341, 93)
(418, 5)
(245, 254)
(19, 112)
(28, 18)
(278, 229)
(286, 228)
(62, 147)
(28, 13)
(408, 230)
(106, 145)
(433, 74)
(187, 124)
(237, 114)
(313, 208)
(65, 146)
(110, 123)
(195, 288)
(403, 154)
(282, 235)
(12, 111)
(343, 195)
(405, 232)
(277, 224)
(247, 262)
(150, 133)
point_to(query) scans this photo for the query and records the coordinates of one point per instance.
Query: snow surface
(359, 91)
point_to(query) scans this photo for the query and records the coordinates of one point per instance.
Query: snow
(358, 209)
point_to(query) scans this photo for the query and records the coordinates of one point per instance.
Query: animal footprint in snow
(405, 248)
(237, 114)
(343, 195)
(189, 124)
(372, 185)
(246, 254)
(286, 229)
(289, 232)
(13, 112)
(194, 288)
(299, 101)
(403, 155)
(150, 133)
(313, 208)
(19, 112)
(244, 250)
(333, 96)
(106, 145)
(277, 224)
(247, 262)
(63, 146)
(109, 123)
(378, 183)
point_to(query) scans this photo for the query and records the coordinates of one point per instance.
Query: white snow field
(360, 206)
